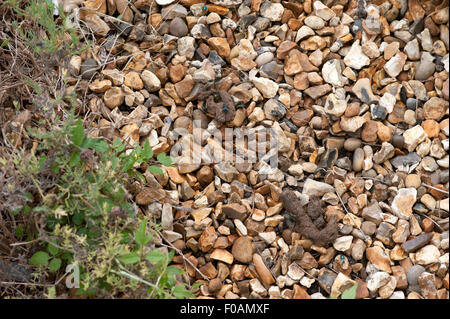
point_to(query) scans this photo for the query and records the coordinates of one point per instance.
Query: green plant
(57, 37)
(84, 214)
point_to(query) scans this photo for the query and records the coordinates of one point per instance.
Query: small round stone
(410, 117)
(413, 180)
(214, 285)
(178, 27)
(398, 141)
(352, 144)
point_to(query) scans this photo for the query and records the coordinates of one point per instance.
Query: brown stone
(133, 81)
(284, 48)
(243, 250)
(377, 256)
(148, 195)
(209, 270)
(301, 81)
(302, 118)
(300, 293)
(222, 255)
(100, 86)
(207, 239)
(262, 270)
(431, 127)
(235, 211)
(400, 275)
(174, 175)
(220, 45)
(434, 108)
(113, 97)
(369, 131)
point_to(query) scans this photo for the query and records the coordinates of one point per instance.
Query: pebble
(427, 255)
(355, 58)
(178, 27)
(243, 250)
(343, 243)
(413, 274)
(403, 202)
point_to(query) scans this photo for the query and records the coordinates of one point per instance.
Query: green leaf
(164, 159)
(75, 158)
(117, 142)
(350, 293)
(39, 259)
(128, 163)
(141, 238)
(171, 271)
(54, 264)
(42, 160)
(181, 292)
(19, 231)
(155, 257)
(100, 146)
(137, 175)
(118, 146)
(52, 249)
(77, 133)
(155, 170)
(4, 43)
(96, 144)
(147, 152)
(196, 285)
(130, 258)
(16, 211)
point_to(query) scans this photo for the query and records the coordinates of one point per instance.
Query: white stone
(398, 295)
(272, 11)
(427, 255)
(186, 47)
(304, 32)
(443, 204)
(274, 292)
(256, 286)
(284, 281)
(312, 187)
(240, 227)
(355, 58)
(331, 73)
(151, 81)
(403, 202)
(412, 50)
(167, 217)
(314, 22)
(388, 102)
(318, 295)
(323, 11)
(395, 64)
(296, 170)
(164, 2)
(267, 87)
(377, 280)
(268, 237)
(414, 136)
(334, 106)
(307, 282)
(295, 272)
(343, 243)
